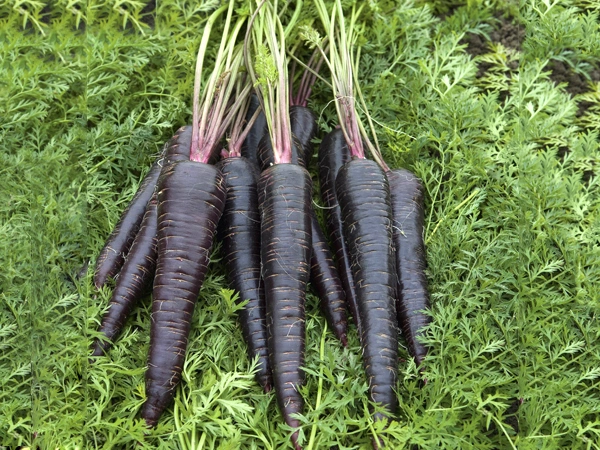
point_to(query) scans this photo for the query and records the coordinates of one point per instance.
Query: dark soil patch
(506, 32)
(576, 83)
(509, 33)
(149, 13)
(562, 73)
(476, 44)
(562, 152)
(582, 108)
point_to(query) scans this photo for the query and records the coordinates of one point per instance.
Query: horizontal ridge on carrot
(286, 247)
(364, 198)
(413, 296)
(240, 229)
(406, 196)
(113, 254)
(186, 228)
(326, 282)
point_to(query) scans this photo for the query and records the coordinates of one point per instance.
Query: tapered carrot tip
(151, 414)
(377, 443)
(344, 339)
(98, 349)
(295, 441)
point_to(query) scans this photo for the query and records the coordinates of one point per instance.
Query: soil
(576, 82)
(562, 73)
(509, 418)
(149, 13)
(507, 32)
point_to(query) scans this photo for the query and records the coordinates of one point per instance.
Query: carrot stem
(266, 37)
(341, 40)
(198, 78)
(211, 107)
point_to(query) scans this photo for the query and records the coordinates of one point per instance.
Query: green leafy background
(509, 155)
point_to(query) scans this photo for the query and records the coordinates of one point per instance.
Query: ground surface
(495, 107)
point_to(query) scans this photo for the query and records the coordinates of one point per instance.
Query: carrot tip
(377, 443)
(150, 414)
(344, 339)
(98, 350)
(297, 446)
(151, 423)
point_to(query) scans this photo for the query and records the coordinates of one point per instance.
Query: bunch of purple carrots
(239, 175)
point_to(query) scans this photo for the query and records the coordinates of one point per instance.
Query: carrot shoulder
(303, 124)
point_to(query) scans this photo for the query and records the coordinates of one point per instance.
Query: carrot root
(413, 297)
(191, 198)
(364, 197)
(133, 280)
(284, 198)
(239, 231)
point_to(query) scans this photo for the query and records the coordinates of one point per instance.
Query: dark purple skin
(364, 197)
(304, 126)
(325, 278)
(413, 297)
(178, 147)
(333, 154)
(286, 230)
(191, 199)
(112, 256)
(326, 282)
(133, 280)
(256, 133)
(239, 231)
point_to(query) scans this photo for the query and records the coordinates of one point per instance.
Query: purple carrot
(413, 296)
(132, 282)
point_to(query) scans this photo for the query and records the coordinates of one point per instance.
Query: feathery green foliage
(508, 154)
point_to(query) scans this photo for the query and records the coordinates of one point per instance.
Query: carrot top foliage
(508, 152)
